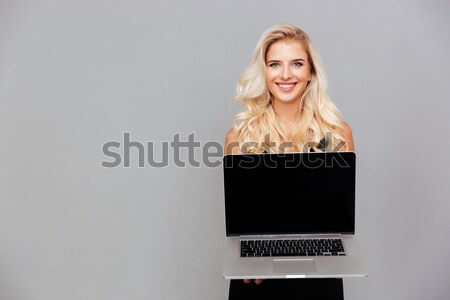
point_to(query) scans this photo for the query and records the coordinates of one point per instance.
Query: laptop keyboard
(298, 247)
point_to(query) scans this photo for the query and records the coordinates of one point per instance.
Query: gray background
(76, 74)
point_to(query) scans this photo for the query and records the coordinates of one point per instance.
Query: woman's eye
(274, 65)
(298, 64)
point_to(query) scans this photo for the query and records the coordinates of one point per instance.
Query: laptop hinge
(288, 235)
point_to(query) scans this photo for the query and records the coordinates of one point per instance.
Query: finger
(247, 281)
(258, 281)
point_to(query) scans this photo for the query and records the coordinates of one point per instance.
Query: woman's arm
(231, 143)
(348, 136)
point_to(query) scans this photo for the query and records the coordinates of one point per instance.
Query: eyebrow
(276, 60)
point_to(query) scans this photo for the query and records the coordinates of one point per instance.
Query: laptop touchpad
(293, 266)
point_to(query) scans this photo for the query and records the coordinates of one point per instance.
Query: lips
(286, 86)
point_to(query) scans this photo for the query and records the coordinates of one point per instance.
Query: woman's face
(287, 71)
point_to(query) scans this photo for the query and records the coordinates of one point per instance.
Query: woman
(285, 103)
(284, 97)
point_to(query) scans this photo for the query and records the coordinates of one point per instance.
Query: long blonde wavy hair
(320, 122)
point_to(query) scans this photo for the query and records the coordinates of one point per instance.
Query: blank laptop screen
(295, 193)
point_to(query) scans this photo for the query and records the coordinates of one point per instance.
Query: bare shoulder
(348, 136)
(231, 143)
(347, 129)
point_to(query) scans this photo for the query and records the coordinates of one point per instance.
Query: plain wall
(77, 74)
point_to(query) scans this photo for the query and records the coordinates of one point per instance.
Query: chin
(288, 100)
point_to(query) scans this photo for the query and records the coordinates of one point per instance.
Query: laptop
(290, 215)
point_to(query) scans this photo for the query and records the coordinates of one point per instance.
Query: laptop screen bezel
(233, 161)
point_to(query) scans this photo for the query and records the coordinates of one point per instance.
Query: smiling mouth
(286, 86)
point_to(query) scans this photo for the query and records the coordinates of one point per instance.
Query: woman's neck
(287, 113)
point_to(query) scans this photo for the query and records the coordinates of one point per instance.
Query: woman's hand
(257, 281)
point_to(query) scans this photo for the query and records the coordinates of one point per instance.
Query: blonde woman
(286, 108)
(283, 93)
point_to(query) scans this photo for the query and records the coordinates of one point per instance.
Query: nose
(286, 73)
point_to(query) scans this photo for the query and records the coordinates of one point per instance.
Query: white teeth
(286, 86)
